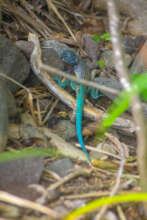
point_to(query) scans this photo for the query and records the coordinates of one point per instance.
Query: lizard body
(81, 91)
(81, 71)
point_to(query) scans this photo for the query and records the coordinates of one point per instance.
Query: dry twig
(135, 102)
(7, 197)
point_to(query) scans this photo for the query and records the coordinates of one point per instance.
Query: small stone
(110, 83)
(74, 204)
(110, 215)
(108, 58)
(62, 167)
(91, 47)
(131, 44)
(107, 147)
(65, 129)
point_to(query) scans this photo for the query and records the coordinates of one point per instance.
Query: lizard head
(70, 57)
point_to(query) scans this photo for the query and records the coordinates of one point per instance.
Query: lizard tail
(79, 115)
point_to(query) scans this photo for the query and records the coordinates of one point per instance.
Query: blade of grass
(133, 197)
(25, 153)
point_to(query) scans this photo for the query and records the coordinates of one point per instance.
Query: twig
(57, 72)
(62, 181)
(68, 178)
(135, 102)
(9, 198)
(50, 112)
(100, 151)
(120, 213)
(94, 194)
(14, 81)
(24, 16)
(117, 184)
(28, 93)
(49, 2)
(42, 24)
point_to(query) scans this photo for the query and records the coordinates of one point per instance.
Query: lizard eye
(70, 57)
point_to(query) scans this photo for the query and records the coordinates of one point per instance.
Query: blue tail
(80, 103)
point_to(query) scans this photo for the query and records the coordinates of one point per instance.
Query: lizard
(80, 70)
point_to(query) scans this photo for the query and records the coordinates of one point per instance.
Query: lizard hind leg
(61, 83)
(94, 93)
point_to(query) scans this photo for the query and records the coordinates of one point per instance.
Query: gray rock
(62, 167)
(7, 110)
(24, 171)
(3, 116)
(49, 57)
(65, 129)
(13, 63)
(57, 46)
(91, 47)
(115, 84)
(12, 109)
(108, 82)
(108, 58)
(131, 44)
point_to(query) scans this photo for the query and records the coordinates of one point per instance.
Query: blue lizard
(80, 70)
(81, 91)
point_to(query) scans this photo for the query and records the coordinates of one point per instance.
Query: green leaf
(106, 36)
(96, 38)
(140, 80)
(101, 63)
(119, 105)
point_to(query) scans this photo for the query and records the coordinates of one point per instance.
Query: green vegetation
(122, 102)
(97, 38)
(101, 63)
(27, 152)
(134, 197)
